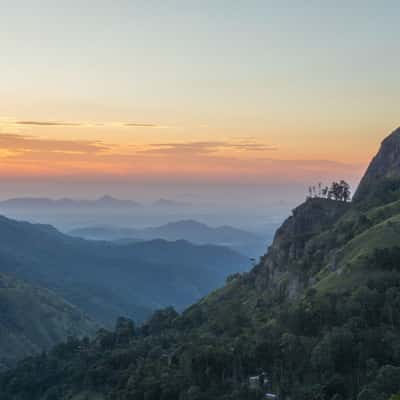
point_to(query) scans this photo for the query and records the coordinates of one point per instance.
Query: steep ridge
(384, 170)
(317, 319)
(33, 319)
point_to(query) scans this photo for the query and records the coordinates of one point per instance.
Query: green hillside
(34, 319)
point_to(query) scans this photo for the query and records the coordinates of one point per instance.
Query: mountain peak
(385, 166)
(395, 135)
(106, 197)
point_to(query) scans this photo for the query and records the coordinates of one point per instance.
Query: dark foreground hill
(34, 319)
(317, 319)
(107, 280)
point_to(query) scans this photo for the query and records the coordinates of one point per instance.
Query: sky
(206, 93)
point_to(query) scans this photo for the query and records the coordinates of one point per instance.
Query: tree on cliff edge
(339, 191)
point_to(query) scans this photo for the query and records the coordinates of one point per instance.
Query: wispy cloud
(142, 125)
(22, 144)
(48, 123)
(198, 148)
(71, 124)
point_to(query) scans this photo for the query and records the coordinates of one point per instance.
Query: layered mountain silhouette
(191, 230)
(105, 201)
(168, 203)
(317, 318)
(107, 280)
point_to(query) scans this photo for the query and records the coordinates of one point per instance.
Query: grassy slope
(383, 231)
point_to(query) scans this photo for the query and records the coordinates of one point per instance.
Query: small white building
(271, 396)
(258, 381)
(254, 382)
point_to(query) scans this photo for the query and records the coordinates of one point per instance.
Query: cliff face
(309, 219)
(284, 258)
(384, 166)
(315, 236)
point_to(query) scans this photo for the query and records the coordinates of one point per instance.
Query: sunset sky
(207, 91)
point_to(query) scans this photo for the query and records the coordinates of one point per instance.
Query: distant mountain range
(242, 241)
(33, 319)
(105, 201)
(170, 203)
(37, 202)
(107, 279)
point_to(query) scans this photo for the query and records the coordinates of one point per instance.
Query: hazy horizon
(214, 104)
(151, 95)
(255, 207)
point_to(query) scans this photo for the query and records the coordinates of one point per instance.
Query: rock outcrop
(384, 166)
(291, 240)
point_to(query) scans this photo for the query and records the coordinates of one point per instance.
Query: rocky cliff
(384, 167)
(282, 266)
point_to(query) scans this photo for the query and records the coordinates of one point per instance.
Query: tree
(339, 191)
(368, 394)
(124, 330)
(346, 192)
(388, 379)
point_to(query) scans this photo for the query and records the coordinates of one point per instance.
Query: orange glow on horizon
(51, 148)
